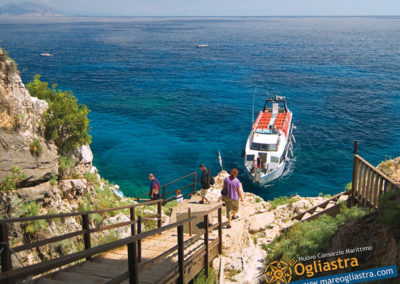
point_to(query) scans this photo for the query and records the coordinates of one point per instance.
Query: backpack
(212, 181)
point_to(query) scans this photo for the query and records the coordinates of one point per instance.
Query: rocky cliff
(21, 128)
(31, 182)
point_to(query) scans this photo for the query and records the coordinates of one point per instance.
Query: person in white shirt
(179, 196)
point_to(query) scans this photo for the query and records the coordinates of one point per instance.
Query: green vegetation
(390, 212)
(278, 201)
(307, 238)
(387, 167)
(231, 273)
(30, 209)
(11, 182)
(258, 200)
(66, 163)
(91, 178)
(202, 279)
(6, 56)
(66, 121)
(167, 209)
(53, 180)
(35, 147)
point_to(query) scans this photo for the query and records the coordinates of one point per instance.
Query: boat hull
(266, 178)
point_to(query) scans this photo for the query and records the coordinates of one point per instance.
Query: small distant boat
(202, 45)
(270, 142)
(45, 54)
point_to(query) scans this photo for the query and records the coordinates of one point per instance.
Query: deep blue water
(161, 105)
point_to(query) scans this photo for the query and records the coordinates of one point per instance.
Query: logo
(279, 272)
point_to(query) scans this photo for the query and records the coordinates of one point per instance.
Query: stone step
(306, 216)
(330, 204)
(343, 198)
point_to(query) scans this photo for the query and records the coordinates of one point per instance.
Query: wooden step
(74, 277)
(330, 204)
(306, 216)
(48, 281)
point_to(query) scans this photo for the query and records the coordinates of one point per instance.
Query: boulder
(35, 193)
(15, 151)
(259, 222)
(84, 155)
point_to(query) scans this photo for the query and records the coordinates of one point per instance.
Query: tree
(66, 121)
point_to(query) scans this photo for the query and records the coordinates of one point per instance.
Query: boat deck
(266, 119)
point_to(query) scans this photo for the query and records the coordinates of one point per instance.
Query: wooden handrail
(368, 183)
(172, 182)
(74, 214)
(375, 170)
(90, 252)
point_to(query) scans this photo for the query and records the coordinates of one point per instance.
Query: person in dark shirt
(154, 187)
(205, 184)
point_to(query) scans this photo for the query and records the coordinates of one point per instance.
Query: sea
(159, 104)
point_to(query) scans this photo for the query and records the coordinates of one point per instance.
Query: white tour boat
(270, 141)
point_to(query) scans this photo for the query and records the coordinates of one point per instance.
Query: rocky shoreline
(244, 245)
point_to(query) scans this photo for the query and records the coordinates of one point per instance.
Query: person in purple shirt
(233, 192)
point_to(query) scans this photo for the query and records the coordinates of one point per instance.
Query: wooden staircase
(330, 207)
(104, 268)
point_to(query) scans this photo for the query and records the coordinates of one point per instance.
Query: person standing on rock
(205, 184)
(154, 187)
(232, 188)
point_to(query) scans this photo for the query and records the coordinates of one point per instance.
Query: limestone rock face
(20, 125)
(34, 193)
(15, 151)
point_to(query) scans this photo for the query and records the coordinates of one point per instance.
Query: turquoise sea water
(161, 105)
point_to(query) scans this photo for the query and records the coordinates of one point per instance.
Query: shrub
(91, 178)
(258, 200)
(11, 182)
(29, 210)
(390, 212)
(66, 163)
(167, 209)
(278, 201)
(307, 238)
(202, 279)
(66, 121)
(387, 167)
(97, 219)
(53, 180)
(35, 147)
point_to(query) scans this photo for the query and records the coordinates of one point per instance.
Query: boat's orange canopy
(281, 122)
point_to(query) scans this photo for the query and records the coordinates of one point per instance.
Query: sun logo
(278, 272)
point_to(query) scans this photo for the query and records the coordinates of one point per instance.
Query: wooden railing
(132, 243)
(368, 184)
(171, 194)
(85, 231)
